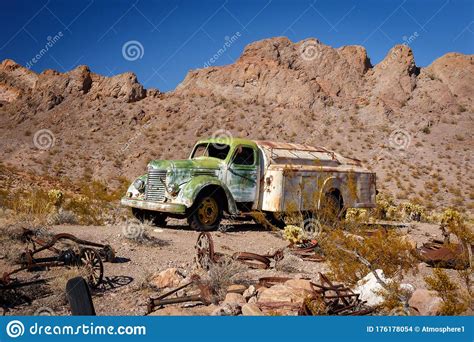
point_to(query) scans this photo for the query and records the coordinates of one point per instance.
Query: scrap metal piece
(206, 296)
(333, 299)
(86, 254)
(438, 254)
(205, 255)
(252, 260)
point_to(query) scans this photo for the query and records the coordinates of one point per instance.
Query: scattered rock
(300, 284)
(170, 277)
(251, 310)
(227, 309)
(232, 297)
(250, 292)
(236, 288)
(426, 302)
(369, 288)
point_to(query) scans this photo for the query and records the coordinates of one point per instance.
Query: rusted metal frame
(335, 289)
(252, 259)
(62, 236)
(205, 297)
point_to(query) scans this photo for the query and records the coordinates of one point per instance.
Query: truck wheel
(158, 219)
(206, 214)
(79, 297)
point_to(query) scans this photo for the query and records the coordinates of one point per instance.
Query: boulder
(426, 302)
(236, 288)
(369, 288)
(299, 284)
(227, 309)
(251, 310)
(232, 297)
(250, 292)
(170, 277)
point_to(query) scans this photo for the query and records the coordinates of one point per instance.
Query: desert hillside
(412, 125)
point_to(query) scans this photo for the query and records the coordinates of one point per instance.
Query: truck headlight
(139, 185)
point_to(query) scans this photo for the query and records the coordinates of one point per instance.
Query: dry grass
(222, 274)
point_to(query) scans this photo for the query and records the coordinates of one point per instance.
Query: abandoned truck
(240, 177)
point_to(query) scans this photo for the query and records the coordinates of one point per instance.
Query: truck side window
(244, 156)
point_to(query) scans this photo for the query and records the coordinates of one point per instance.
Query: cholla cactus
(386, 208)
(356, 214)
(56, 197)
(452, 222)
(293, 234)
(413, 212)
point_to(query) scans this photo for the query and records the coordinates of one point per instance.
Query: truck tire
(156, 218)
(206, 213)
(79, 297)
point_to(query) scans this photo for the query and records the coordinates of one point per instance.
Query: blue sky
(172, 37)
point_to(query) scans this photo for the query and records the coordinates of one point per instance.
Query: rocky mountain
(412, 125)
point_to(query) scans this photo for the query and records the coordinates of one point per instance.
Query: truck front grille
(155, 189)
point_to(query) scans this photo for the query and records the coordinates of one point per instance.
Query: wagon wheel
(204, 251)
(90, 259)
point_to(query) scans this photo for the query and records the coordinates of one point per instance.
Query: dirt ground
(124, 292)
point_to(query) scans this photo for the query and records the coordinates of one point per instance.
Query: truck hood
(190, 164)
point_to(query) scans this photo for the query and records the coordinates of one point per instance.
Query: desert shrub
(87, 211)
(413, 212)
(352, 255)
(137, 232)
(62, 217)
(222, 274)
(453, 222)
(455, 300)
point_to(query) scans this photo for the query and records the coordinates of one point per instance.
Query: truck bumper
(154, 206)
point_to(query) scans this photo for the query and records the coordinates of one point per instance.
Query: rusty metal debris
(206, 254)
(333, 299)
(437, 253)
(308, 251)
(205, 296)
(81, 253)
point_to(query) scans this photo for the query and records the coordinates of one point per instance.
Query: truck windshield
(219, 151)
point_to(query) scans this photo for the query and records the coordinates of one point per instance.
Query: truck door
(241, 177)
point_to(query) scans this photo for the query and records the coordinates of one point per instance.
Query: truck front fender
(190, 191)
